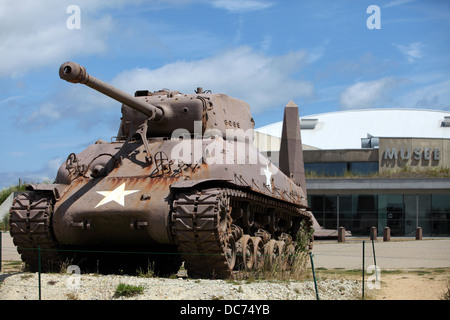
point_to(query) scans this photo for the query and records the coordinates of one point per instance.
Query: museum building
(377, 167)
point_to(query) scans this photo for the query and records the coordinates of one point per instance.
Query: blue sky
(321, 54)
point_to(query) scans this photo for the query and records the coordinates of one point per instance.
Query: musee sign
(414, 154)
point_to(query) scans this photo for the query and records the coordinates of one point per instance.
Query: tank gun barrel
(75, 73)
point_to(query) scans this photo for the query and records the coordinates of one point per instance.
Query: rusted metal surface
(181, 176)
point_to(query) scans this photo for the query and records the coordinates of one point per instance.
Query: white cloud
(368, 94)
(35, 34)
(413, 51)
(48, 110)
(241, 5)
(260, 80)
(434, 96)
(9, 100)
(46, 173)
(84, 104)
(395, 3)
(318, 52)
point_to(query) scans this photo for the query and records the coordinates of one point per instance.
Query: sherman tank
(181, 182)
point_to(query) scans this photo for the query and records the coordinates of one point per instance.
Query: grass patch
(128, 290)
(149, 273)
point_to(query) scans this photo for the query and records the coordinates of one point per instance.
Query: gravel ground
(24, 286)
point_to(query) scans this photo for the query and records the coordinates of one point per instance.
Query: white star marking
(268, 174)
(117, 195)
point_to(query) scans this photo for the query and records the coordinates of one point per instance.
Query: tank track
(203, 229)
(30, 227)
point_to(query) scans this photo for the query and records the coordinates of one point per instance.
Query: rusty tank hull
(182, 181)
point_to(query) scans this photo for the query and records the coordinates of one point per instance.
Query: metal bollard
(418, 233)
(387, 234)
(373, 233)
(341, 234)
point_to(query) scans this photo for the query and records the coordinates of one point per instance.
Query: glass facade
(330, 169)
(403, 213)
(338, 169)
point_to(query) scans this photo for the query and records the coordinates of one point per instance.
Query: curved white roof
(344, 129)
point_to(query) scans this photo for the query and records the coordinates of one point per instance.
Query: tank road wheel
(258, 247)
(247, 252)
(224, 230)
(272, 252)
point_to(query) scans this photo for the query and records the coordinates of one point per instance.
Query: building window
(401, 213)
(363, 168)
(345, 212)
(365, 213)
(440, 214)
(391, 213)
(330, 214)
(417, 214)
(339, 169)
(327, 169)
(325, 210)
(316, 202)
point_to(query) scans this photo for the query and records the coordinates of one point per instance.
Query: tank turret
(171, 110)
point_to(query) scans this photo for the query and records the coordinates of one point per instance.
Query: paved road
(407, 254)
(9, 251)
(396, 254)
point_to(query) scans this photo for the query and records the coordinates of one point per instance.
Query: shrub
(128, 290)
